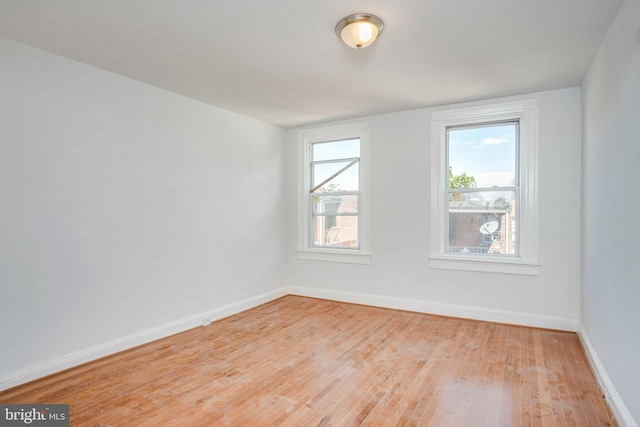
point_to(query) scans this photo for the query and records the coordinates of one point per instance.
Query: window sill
(346, 256)
(505, 266)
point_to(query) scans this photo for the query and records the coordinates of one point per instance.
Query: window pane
(339, 231)
(327, 205)
(485, 153)
(336, 150)
(483, 222)
(347, 180)
(331, 224)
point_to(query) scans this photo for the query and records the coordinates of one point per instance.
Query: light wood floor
(308, 362)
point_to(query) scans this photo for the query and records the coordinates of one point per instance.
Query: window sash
(513, 122)
(313, 193)
(508, 223)
(313, 217)
(470, 190)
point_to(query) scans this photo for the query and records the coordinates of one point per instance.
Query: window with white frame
(483, 190)
(332, 203)
(484, 166)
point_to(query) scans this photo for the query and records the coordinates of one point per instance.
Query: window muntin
(342, 175)
(482, 189)
(334, 194)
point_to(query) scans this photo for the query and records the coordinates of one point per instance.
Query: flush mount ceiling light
(359, 30)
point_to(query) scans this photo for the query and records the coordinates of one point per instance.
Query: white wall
(610, 310)
(123, 207)
(399, 273)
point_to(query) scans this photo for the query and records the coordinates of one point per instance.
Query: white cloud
(490, 140)
(495, 141)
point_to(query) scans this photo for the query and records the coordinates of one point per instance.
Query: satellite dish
(489, 227)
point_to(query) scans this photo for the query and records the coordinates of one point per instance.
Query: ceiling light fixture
(359, 30)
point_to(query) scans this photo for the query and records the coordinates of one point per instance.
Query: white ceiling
(281, 62)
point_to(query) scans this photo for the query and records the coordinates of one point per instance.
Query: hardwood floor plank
(301, 361)
(507, 393)
(518, 352)
(400, 364)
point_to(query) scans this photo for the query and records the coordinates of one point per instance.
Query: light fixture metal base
(359, 18)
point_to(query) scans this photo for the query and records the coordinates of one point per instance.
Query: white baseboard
(620, 411)
(143, 337)
(452, 310)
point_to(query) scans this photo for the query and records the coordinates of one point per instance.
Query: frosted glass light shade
(359, 30)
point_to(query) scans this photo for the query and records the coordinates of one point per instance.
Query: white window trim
(306, 137)
(527, 262)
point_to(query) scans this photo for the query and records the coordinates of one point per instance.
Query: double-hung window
(484, 197)
(332, 200)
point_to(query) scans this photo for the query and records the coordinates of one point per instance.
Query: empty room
(319, 213)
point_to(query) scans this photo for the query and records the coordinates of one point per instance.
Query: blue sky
(486, 153)
(347, 180)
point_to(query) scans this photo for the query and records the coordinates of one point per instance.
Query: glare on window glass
(344, 149)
